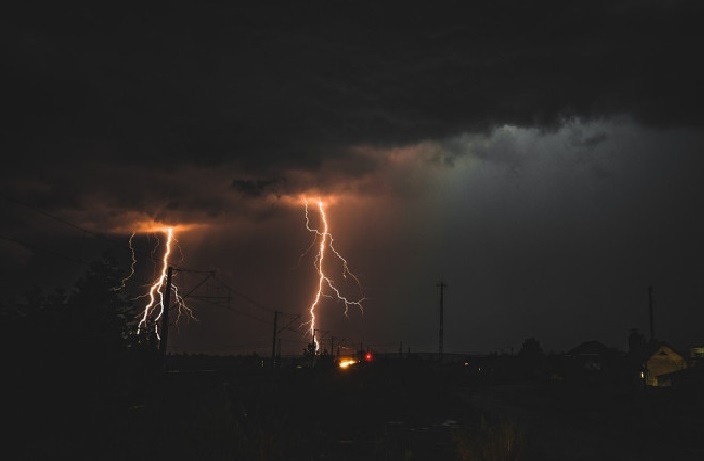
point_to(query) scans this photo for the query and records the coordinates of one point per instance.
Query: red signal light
(368, 357)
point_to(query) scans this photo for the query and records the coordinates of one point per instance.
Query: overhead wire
(113, 243)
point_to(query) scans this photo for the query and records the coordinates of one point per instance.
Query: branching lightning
(326, 241)
(123, 282)
(154, 309)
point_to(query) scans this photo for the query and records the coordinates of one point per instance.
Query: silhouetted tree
(636, 343)
(85, 335)
(72, 366)
(310, 352)
(531, 357)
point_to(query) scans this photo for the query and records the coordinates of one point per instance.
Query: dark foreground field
(391, 411)
(372, 412)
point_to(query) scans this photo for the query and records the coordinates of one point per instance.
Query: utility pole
(442, 285)
(650, 308)
(165, 318)
(273, 343)
(332, 346)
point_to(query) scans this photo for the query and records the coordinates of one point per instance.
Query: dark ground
(564, 422)
(380, 411)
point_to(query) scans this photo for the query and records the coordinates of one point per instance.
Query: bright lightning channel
(158, 289)
(326, 241)
(123, 282)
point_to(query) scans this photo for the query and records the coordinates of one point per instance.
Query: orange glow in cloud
(154, 227)
(302, 199)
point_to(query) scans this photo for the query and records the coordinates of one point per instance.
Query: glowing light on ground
(346, 362)
(325, 239)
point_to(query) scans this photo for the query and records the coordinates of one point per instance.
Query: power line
(250, 300)
(115, 244)
(44, 250)
(248, 315)
(112, 243)
(48, 215)
(60, 220)
(231, 309)
(213, 275)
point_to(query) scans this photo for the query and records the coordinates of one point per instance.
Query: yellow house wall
(662, 362)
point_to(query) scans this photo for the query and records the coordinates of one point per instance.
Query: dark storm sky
(542, 158)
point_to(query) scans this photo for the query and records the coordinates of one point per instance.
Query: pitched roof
(652, 347)
(592, 347)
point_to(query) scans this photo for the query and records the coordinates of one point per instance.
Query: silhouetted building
(696, 356)
(659, 361)
(595, 364)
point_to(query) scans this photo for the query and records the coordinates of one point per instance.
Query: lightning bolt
(326, 241)
(123, 282)
(156, 293)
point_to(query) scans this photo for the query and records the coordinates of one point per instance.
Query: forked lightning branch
(325, 284)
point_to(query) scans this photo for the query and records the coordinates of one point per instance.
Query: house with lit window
(689, 378)
(660, 360)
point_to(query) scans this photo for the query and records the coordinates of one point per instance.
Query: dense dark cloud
(255, 187)
(276, 87)
(540, 156)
